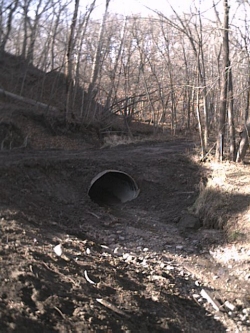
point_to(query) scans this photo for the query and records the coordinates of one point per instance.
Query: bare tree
(196, 41)
(33, 27)
(92, 90)
(70, 55)
(226, 94)
(7, 9)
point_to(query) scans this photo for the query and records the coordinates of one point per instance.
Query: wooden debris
(112, 307)
(207, 295)
(87, 278)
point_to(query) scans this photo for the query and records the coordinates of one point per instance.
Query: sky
(128, 7)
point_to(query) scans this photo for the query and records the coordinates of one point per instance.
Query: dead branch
(112, 307)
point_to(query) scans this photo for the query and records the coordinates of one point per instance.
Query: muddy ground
(141, 266)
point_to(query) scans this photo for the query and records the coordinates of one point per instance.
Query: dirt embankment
(134, 267)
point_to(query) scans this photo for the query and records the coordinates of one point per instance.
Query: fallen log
(29, 101)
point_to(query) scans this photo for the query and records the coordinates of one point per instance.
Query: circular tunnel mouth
(111, 187)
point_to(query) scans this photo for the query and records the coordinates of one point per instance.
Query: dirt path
(135, 267)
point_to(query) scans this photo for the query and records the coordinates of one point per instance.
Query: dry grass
(224, 203)
(113, 140)
(212, 206)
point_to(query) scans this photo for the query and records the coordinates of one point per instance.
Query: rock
(189, 221)
(58, 250)
(229, 305)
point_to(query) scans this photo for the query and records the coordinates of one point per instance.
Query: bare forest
(180, 72)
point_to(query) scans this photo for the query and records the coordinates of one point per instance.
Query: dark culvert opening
(111, 187)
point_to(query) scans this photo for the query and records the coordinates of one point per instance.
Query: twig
(60, 312)
(87, 278)
(207, 154)
(95, 215)
(56, 271)
(112, 307)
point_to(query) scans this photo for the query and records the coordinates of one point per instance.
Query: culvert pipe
(112, 187)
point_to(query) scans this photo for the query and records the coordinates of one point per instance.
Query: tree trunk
(117, 59)
(244, 142)
(231, 130)
(224, 86)
(25, 8)
(69, 61)
(92, 90)
(203, 148)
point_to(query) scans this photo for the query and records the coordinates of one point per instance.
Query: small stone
(179, 247)
(58, 250)
(127, 257)
(229, 305)
(169, 268)
(116, 250)
(155, 298)
(246, 311)
(144, 263)
(243, 317)
(238, 302)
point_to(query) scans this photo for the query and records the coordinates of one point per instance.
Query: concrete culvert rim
(112, 187)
